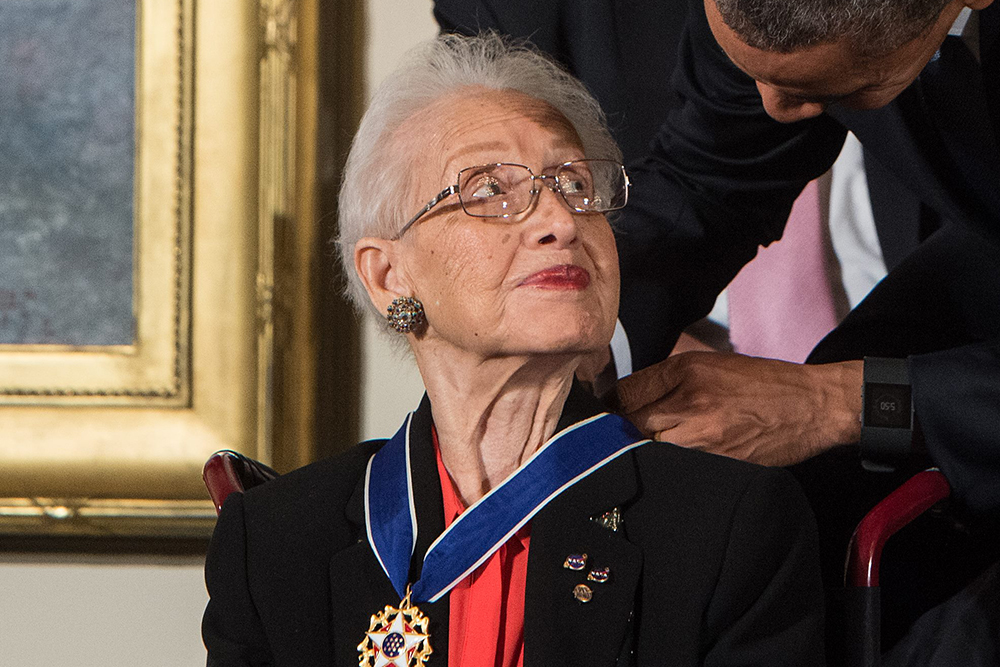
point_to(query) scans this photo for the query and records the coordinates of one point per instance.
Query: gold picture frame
(110, 441)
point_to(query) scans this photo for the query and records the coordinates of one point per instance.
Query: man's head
(808, 54)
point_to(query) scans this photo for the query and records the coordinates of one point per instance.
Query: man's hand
(760, 410)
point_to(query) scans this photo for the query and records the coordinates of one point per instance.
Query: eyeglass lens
(501, 190)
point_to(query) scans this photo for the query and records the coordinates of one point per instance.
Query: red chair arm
(227, 471)
(910, 500)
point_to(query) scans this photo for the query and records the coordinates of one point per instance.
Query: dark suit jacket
(720, 176)
(720, 180)
(716, 564)
(624, 51)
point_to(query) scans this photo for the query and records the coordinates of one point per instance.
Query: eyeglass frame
(534, 192)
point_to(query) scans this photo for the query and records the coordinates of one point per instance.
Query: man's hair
(874, 27)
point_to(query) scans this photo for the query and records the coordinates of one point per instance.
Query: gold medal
(396, 637)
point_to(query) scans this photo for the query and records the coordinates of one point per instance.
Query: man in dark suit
(723, 173)
(720, 178)
(762, 100)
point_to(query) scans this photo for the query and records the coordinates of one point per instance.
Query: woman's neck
(492, 415)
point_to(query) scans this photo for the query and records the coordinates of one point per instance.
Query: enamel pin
(575, 562)
(599, 574)
(396, 637)
(611, 520)
(582, 593)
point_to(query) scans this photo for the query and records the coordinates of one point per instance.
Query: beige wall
(392, 386)
(124, 612)
(100, 612)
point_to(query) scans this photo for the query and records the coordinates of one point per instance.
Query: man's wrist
(886, 414)
(842, 382)
(839, 403)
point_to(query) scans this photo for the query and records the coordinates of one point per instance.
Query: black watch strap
(887, 413)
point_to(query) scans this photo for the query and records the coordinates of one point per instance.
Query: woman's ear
(377, 263)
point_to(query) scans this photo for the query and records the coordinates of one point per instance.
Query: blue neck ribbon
(391, 518)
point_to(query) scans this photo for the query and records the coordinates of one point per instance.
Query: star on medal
(396, 637)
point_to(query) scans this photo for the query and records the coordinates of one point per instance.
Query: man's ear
(377, 263)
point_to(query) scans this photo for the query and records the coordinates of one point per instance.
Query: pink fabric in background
(782, 303)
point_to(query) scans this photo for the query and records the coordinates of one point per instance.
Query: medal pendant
(396, 637)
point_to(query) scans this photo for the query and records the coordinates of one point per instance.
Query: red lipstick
(562, 277)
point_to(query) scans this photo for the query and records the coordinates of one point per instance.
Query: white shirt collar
(966, 26)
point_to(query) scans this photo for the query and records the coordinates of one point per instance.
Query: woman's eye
(487, 186)
(572, 185)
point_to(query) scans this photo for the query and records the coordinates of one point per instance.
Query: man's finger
(676, 435)
(655, 417)
(645, 386)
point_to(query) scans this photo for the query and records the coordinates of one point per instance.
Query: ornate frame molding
(110, 441)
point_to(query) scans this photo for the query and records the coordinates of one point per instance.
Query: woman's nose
(551, 222)
(787, 109)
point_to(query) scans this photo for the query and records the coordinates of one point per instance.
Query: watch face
(887, 405)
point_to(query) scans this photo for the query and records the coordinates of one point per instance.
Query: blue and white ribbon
(390, 516)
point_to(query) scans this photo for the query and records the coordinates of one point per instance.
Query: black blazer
(715, 564)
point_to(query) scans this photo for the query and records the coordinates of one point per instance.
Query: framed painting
(151, 165)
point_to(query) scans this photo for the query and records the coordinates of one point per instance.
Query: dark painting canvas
(67, 145)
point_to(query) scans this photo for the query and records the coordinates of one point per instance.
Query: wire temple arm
(447, 192)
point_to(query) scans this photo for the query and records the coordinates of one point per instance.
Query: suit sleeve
(719, 180)
(466, 18)
(767, 608)
(956, 378)
(537, 22)
(956, 397)
(231, 628)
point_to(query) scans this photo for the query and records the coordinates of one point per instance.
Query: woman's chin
(564, 342)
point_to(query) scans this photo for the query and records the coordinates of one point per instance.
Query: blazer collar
(580, 405)
(357, 577)
(554, 620)
(426, 488)
(558, 628)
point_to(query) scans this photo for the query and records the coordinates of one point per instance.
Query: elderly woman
(509, 521)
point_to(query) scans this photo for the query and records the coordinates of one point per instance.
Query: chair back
(227, 471)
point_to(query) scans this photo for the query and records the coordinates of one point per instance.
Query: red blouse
(486, 625)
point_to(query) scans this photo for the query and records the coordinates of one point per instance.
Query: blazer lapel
(559, 628)
(955, 89)
(989, 53)
(359, 587)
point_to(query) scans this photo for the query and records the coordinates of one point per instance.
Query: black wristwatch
(887, 414)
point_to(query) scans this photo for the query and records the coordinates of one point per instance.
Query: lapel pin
(575, 562)
(582, 593)
(611, 520)
(599, 574)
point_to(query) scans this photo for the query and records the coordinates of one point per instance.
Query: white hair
(374, 193)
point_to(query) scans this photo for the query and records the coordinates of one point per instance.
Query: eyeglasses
(502, 189)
